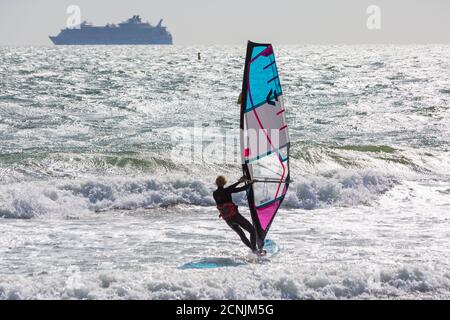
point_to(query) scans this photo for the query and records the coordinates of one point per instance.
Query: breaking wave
(33, 199)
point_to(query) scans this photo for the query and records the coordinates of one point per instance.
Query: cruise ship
(130, 32)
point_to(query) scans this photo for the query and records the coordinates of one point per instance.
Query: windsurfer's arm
(236, 190)
(233, 186)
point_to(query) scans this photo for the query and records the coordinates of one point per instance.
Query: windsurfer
(230, 213)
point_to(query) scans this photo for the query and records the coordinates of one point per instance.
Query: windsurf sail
(264, 136)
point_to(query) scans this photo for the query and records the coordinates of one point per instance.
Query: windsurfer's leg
(241, 233)
(260, 243)
(246, 225)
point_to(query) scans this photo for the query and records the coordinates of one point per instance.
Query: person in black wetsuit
(230, 213)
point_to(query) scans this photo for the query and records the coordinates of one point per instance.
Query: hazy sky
(25, 22)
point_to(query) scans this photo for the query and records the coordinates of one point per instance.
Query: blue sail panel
(262, 77)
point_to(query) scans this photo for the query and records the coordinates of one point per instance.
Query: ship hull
(58, 41)
(113, 36)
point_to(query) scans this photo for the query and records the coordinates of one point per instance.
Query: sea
(108, 157)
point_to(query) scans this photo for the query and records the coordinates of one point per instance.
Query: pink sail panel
(266, 213)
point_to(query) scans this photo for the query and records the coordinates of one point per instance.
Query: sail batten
(264, 136)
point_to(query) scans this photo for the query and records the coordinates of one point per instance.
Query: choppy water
(96, 205)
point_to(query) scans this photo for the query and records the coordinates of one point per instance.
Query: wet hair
(221, 181)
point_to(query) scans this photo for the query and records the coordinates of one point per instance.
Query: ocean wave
(404, 163)
(28, 200)
(341, 188)
(75, 197)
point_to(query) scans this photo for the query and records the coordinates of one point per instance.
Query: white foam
(73, 197)
(394, 283)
